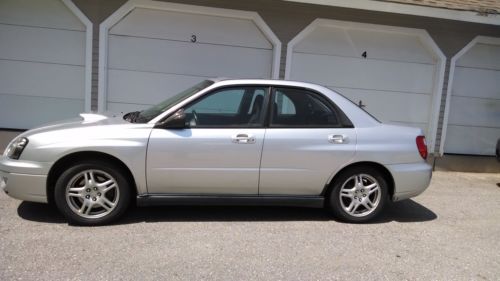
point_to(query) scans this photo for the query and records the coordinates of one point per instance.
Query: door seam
(260, 162)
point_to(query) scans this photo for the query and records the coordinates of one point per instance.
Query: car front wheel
(358, 194)
(92, 193)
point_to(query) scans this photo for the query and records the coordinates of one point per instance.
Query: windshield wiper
(131, 116)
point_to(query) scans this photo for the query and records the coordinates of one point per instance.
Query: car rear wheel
(92, 193)
(358, 194)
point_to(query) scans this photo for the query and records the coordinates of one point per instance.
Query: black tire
(118, 194)
(337, 204)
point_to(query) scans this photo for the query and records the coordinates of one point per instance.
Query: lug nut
(88, 190)
(99, 194)
(93, 198)
(88, 196)
(364, 195)
(95, 188)
(355, 197)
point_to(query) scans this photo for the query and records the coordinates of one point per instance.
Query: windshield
(152, 112)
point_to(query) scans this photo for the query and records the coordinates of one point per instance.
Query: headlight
(16, 148)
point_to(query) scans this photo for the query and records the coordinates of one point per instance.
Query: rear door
(307, 140)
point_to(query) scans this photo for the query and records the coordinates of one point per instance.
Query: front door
(218, 152)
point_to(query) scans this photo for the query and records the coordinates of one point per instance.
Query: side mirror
(174, 121)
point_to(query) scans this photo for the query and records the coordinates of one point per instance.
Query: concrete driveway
(451, 232)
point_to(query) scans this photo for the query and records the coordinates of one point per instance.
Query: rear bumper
(23, 180)
(410, 180)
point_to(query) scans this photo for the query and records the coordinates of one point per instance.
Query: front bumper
(410, 179)
(24, 180)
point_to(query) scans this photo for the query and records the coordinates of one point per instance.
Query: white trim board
(426, 40)
(174, 7)
(408, 9)
(478, 39)
(88, 51)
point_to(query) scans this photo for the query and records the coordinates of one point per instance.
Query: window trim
(345, 122)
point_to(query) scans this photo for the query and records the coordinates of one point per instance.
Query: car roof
(226, 81)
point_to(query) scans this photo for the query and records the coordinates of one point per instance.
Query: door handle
(243, 139)
(338, 139)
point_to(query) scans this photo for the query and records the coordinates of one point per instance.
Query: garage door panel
(362, 73)
(486, 83)
(378, 45)
(42, 45)
(187, 58)
(42, 80)
(474, 112)
(121, 107)
(181, 26)
(403, 107)
(47, 110)
(482, 56)
(146, 87)
(159, 51)
(45, 13)
(328, 41)
(471, 140)
(42, 63)
(391, 46)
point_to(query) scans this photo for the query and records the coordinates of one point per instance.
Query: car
(221, 142)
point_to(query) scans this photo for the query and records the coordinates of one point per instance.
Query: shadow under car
(404, 211)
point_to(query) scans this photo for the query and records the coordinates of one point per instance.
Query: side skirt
(227, 200)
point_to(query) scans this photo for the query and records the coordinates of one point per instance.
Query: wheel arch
(381, 168)
(60, 166)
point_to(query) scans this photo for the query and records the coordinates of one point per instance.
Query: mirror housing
(174, 121)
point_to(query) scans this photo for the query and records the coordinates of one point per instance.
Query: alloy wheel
(92, 194)
(360, 195)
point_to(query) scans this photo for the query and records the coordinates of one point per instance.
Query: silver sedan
(221, 142)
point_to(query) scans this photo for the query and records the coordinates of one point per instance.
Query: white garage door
(395, 72)
(42, 63)
(154, 53)
(474, 106)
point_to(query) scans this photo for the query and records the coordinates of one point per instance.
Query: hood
(84, 120)
(106, 133)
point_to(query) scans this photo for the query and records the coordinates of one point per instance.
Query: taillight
(422, 146)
